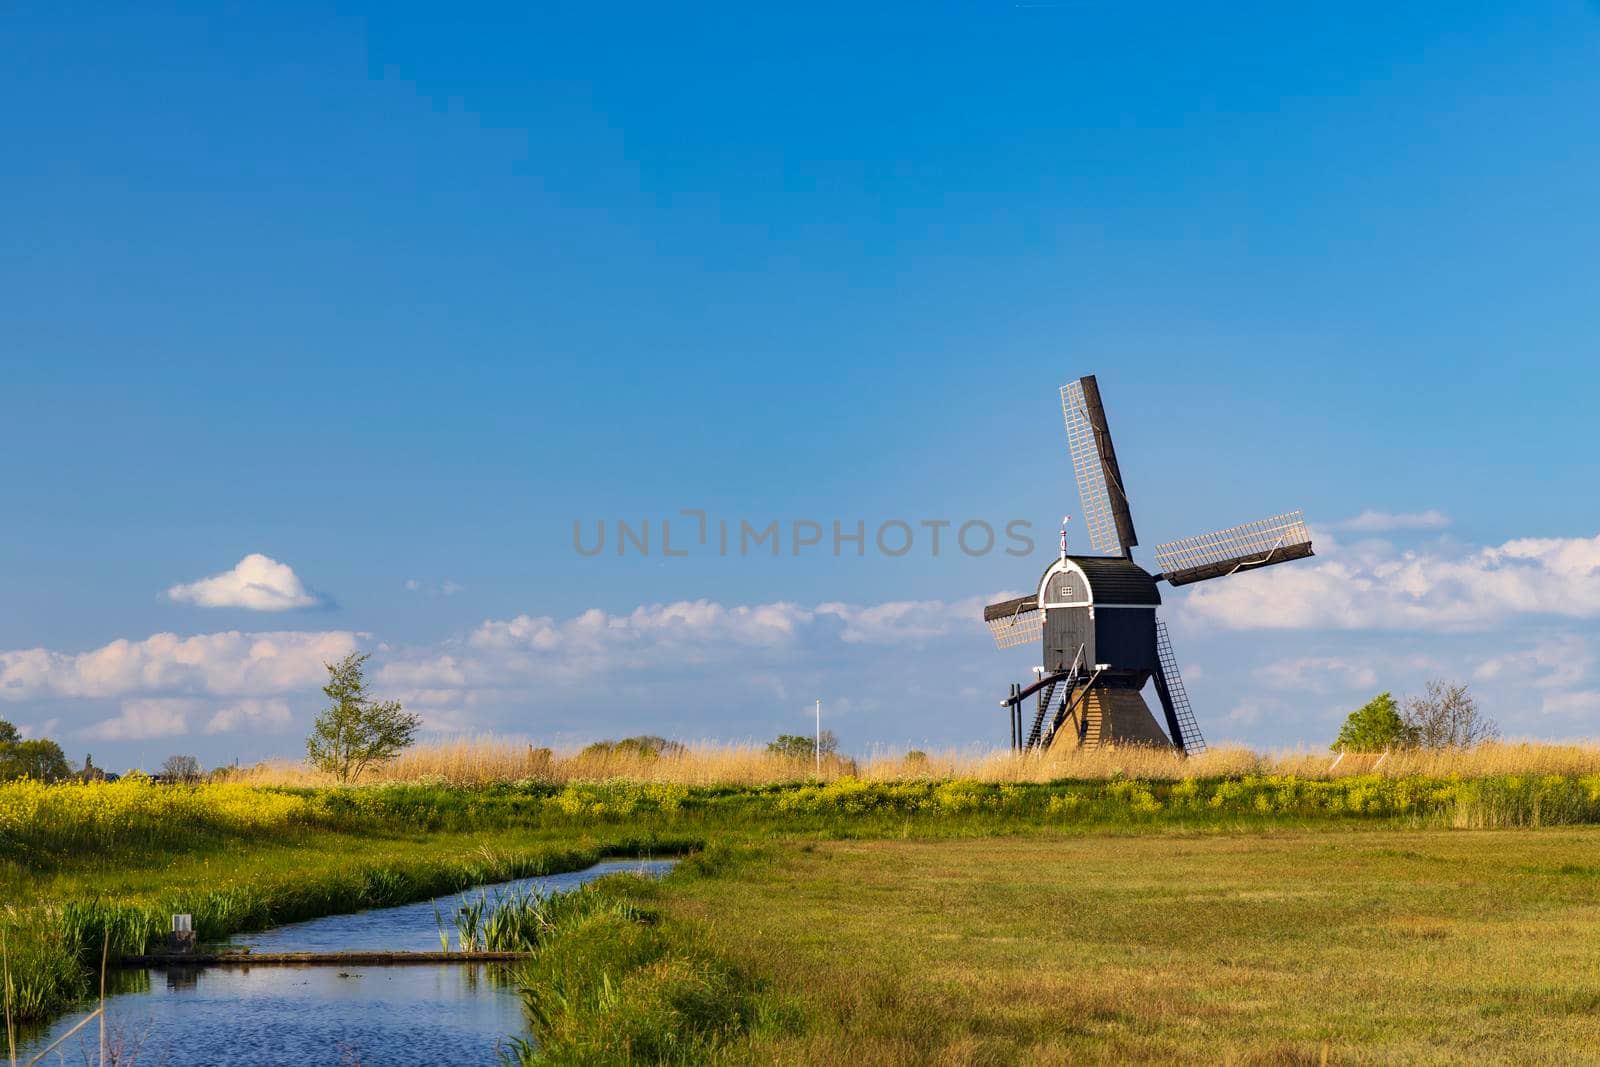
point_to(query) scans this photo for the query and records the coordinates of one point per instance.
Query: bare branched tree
(1447, 716)
(181, 769)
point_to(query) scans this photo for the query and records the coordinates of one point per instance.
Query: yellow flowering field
(38, 818)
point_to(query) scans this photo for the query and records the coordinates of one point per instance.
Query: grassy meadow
(1416, 946)
(1139, 907)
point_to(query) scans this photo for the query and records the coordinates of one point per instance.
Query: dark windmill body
(1096, 615)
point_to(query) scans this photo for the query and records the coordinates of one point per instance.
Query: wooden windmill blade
(1239, 548)
(1094, 462)
(1015, 622)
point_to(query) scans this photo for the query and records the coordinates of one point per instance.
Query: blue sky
(392, 297)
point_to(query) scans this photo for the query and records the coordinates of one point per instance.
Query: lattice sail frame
(1012, 630)
(1251, 542)
(1098, 516)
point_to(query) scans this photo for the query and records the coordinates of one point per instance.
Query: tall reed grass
(486, 760)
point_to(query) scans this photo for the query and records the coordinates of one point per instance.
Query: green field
(1374, 946)
(1244, 920)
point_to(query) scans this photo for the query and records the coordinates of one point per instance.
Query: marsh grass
(520, 921)
(111, 1054)
(611, 981)
(488, 760)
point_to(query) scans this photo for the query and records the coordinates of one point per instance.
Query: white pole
(819, 739)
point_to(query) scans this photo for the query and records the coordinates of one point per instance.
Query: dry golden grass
(483, 760)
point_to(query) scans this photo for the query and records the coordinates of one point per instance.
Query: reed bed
(488, 760)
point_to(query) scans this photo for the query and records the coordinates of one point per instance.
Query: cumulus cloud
(1317, 674)
(697, 623)
(900, 621)
(1553, 663)
(144, 719)
(226, 664)
(1384, 521)
(751, 648)
(1584, 703)
(444, 588)
(256, 583)
(31, 731)
(429, 671)
(250, 714)
(1379, 589)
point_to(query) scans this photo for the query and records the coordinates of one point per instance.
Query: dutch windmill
(1097, 613)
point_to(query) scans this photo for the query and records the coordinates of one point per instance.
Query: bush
(1375, 726)
(645, 746)
(799, 746)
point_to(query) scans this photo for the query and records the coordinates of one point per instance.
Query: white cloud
(1317, 674)
(257, 583)
(1576, 703)
(1554, 663)
(900, 621)
(699, 624)
(1382, 521)
(226, 664)
(31, 731)
(254, 714)
(444, 588)
(144, 719)
(707, 668)
(430, 671)
(1376, 589)
(749, 649)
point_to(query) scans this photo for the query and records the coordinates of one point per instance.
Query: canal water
(373, 1016)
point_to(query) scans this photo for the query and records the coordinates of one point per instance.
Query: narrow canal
(373, 1016)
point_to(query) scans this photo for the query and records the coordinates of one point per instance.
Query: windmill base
(1108, 716)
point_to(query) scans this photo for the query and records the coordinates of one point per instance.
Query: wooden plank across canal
(286, 959)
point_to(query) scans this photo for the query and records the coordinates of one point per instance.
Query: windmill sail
(1094, 462)
(1015, 622)
(1239, 548)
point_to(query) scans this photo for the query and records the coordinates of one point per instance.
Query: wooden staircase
(1108, 716)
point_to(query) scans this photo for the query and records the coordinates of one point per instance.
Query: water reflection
(314, 1016)
(415, 927)
(421, 1015)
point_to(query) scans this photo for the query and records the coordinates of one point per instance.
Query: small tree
(355, 731)
(9, 734)
(1447, 716)
(181, 769)
(1375, 726)
(803, 746)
